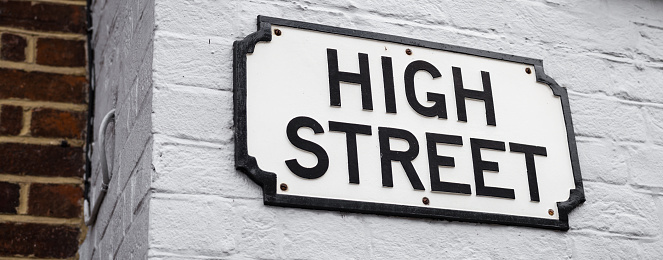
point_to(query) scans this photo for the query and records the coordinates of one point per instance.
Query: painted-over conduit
(91, 217)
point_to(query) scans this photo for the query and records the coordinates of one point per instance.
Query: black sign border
(248, 164)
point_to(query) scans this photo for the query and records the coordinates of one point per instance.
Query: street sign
(341, 119)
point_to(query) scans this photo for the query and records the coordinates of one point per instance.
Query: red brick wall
(43, 106)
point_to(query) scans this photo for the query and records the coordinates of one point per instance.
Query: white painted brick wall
(122, 42)
(174, 145)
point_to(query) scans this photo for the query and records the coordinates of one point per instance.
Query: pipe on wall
(91, 217)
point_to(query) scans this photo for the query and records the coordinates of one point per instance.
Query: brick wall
(43, 115)
(122, 41)
(166, 67)
(607, 54)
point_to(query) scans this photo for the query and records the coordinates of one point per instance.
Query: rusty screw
(425, 200)
(528, 70)
(277, 32)
(408, 51)
(284, 187)
(551, 212)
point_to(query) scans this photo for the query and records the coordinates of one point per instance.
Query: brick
(655, 126)
(134, 245)
(214, 215)
(196, 169)
(607, 119)
(60, 52)
(55, 200)
(48, 122)
(603, 161)
(10, 193)
(43, 16)
(38, 240)
(592, 247)
(13, 47)
(616, 209)
(11, 120)
(575, 40)
(41, 160)
(181, 116)
(205, 68)
(645, 167)
(41, 86)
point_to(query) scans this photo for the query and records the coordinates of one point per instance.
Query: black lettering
(435, 161)
(351, 131)
(405, 157)
(486, 95)
(388, 79)
(335, 78)
(323, 160)
(438, 109)
(480, 166)
(530, 151)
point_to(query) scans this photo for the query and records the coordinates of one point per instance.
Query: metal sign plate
(340, 119)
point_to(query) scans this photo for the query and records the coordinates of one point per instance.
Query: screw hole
(408, 51)
(425, 200)
(277, 32)
(551, 212)
(528, 70)
(284, 187)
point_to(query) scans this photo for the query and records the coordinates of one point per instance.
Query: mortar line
(41, 140)
(654, 191)
(24, 192)
(27, 120)
(383, 17)
(166, 139)
(587, 138)
(39, 179)
(83, 234)
(30, 50)
(32, 258)
(45, 104)
(63, 35)
(625, 60)
(39, 220)
(79, 71)
(68, 2)
(585, 231)
(613, 98)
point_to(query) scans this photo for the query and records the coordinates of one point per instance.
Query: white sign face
(372, 123)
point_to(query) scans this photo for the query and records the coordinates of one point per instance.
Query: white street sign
(365, 122)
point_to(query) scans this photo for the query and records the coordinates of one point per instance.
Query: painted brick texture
(606, 53)
(43, 118)
(123, 46)
(166, 67)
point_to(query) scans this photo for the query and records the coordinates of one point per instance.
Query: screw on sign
(425, 200)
